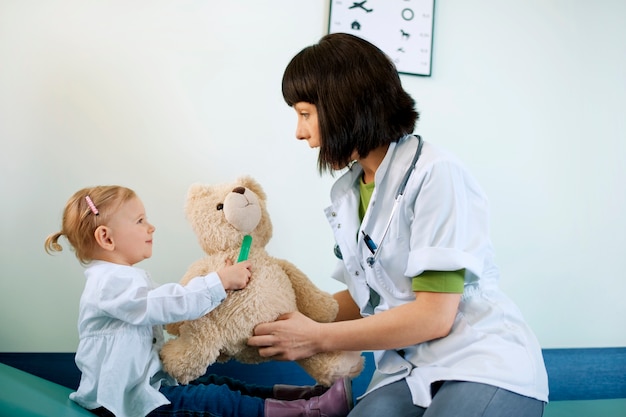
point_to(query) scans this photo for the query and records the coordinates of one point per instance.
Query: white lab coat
(441, 225)
(120, 331)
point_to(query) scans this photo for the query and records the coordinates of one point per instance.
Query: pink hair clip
(92, 206)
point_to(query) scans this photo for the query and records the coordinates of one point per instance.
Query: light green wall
(157, 95)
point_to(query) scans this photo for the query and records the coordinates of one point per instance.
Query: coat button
(153, 340)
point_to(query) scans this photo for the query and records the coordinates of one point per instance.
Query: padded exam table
(26, 395)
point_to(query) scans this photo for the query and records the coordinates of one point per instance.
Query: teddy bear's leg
(328, 367)
(188, 356)
(312, 302)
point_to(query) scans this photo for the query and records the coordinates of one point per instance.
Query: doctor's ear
(104, 238)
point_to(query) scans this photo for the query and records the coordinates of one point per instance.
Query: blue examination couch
(584, 382)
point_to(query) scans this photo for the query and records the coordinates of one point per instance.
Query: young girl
(122, 313)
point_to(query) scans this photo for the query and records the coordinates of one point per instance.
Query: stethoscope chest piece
(337, 251)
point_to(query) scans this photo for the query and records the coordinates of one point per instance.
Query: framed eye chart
(403, 29)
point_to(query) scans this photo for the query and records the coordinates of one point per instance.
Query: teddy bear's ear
(250, 183)
(195, 188)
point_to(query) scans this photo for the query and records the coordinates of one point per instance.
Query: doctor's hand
(291, 337)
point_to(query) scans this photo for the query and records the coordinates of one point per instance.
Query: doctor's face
(308, 126)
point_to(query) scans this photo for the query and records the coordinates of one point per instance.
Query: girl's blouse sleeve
(136, 301)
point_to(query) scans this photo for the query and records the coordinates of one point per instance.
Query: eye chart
(403, 29)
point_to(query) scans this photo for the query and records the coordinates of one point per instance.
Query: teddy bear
(231, 221)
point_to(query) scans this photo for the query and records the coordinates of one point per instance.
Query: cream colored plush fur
(221, 215)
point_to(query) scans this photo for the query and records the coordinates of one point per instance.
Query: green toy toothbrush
(245, 248)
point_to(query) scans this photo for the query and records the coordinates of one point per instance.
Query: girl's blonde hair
(80, 220)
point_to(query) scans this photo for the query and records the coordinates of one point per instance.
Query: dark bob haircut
(356, 89)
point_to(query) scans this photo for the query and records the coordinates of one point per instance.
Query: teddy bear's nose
(239, 190)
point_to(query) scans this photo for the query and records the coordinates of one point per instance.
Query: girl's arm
(133, 301)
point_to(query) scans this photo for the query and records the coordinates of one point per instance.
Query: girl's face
(308, 126)
(130, 233)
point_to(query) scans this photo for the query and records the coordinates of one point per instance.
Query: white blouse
(120, 331)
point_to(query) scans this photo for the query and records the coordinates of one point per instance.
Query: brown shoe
(335, 402)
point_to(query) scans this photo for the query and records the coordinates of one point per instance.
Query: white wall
(157, 95)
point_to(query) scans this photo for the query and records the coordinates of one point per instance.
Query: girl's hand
(291, 337)
(237, 276)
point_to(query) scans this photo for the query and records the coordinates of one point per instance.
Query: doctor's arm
(294, 336)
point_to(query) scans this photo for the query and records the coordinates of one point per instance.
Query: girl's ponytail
(52, 243)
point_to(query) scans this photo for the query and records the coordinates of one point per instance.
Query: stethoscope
(373, 248)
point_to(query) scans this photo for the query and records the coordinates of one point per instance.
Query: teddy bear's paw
(346, 365)
(184, 373)
(185, 376)
(354, 363)
(183, 362)
(328, 367)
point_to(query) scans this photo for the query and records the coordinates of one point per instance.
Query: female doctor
(411, 229)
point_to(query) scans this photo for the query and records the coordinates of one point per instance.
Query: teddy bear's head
(221, 215)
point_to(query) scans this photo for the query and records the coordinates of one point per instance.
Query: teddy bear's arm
(174, 328)
(198, 268)
(311, 301)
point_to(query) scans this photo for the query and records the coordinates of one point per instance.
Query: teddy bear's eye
(220, 206)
